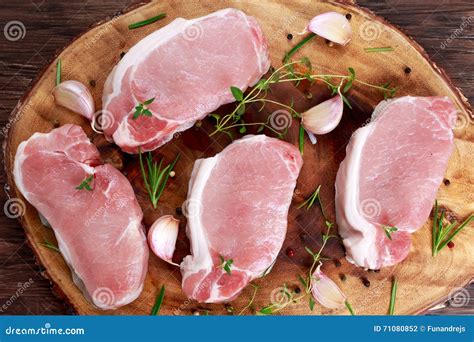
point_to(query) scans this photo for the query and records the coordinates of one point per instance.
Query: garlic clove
(333, 26)
(162, 237)
(324, 117)
(74, 96)
(325, 291)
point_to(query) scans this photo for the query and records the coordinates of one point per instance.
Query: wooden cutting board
(423, 280)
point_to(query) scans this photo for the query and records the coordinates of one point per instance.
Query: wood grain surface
(23, 290)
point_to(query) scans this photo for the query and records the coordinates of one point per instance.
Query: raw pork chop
(392, 170)
(188, 68)
(99, 232)
(237, 209)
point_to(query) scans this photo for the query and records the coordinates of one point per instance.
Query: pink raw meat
(237, 208)
(188, 67)
(390, 176)
(99, 232)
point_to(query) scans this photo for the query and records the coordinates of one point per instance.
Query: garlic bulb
(324, 117)
(162, 237)
(74, 96)
(333, 26)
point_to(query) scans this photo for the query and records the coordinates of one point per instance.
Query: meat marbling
(237, 208)
(390, 176)
(188, 68)
(99, 232)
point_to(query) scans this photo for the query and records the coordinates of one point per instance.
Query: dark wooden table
(444, 28)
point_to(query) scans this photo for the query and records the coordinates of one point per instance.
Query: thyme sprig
(443, 234)
(291, 296)
(290, 71)
(58, 71)
(154, 177)
(252, 299)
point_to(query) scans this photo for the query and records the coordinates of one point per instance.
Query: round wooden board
(423, 280)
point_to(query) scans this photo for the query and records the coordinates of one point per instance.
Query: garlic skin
(333, 26)
(325, 291)
(162, 237)
(74, 96)
(324, 117)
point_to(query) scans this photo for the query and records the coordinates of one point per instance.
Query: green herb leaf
(442, 234)
(50, 245)
(159, 300)
(301, 139)
(303, 282)
(226, 264)
(147, 21)
(311, 303)
(141, 110)
(393, 295)
(349, 307)
(267, 310)
(298, 46)
(154, 177)
(149, 101)
(237, 93)
(389, 230)
(58, 71)
(379, 49)
(85, 184)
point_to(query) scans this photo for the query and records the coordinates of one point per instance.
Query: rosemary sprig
(154, 177)
(85, 184)
(142, 110)
(159, 300)
(147, 21)
(50, 245)
(393, 296)
(389, 230)
(226, 264)
(252, 299)
(442, 234)
(379, 49)
(58, 71)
